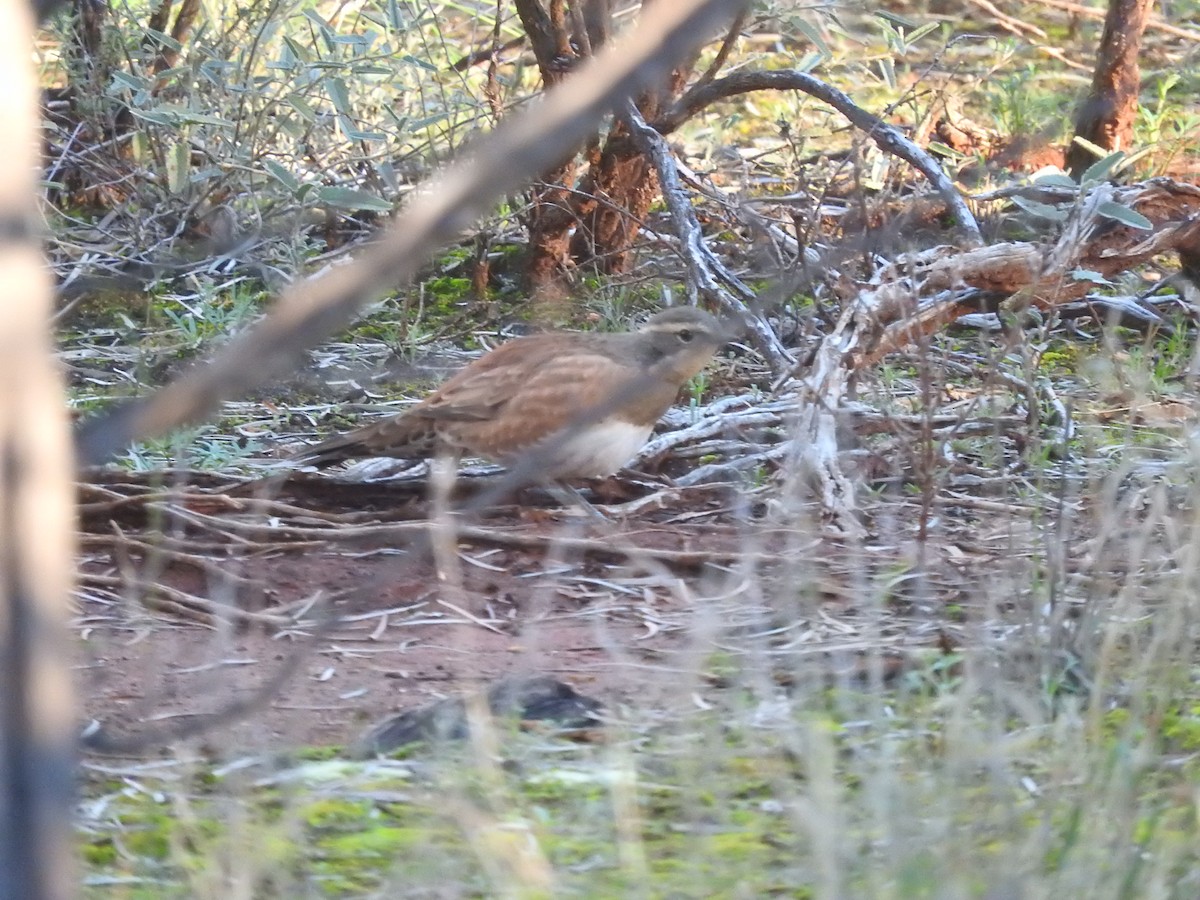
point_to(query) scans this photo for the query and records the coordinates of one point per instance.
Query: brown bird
(584, 402)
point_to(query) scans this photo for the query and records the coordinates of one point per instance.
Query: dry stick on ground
(705, 272)
(179, 603)
(1154, 23)
(813, 462)
(414, 536)
(1009, 23)
(892, 315)
(317, 307)
(1028, 274)
(37, 712)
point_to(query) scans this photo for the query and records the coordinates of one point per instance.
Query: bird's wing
(499, 379)
(469, 399)
(562, 390)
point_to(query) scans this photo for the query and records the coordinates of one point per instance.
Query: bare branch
(705, 272)
(887, 137)
(919, 294)
(731, 36)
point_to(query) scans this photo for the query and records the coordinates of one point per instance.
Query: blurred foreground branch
(36, 524)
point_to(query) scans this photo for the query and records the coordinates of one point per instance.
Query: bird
(582, 404)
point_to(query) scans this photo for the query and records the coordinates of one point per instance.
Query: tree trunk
(1106, 116)
(551, 216)
(168, 57)
(619, 187)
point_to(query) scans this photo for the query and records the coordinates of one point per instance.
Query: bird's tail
(336, 450)
(400, 437)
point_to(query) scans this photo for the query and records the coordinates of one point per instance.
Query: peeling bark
(596, 221)
(920, 294)
(551, 215)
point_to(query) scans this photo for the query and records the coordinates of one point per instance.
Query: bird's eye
(686, 335)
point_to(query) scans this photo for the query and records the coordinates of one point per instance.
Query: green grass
(922, 790)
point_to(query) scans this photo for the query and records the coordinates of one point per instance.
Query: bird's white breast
(597, 450)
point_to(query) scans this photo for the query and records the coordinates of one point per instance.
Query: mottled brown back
(527, 390)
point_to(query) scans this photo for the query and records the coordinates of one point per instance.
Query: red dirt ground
(631, 612)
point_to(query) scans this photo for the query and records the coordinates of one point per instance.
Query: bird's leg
(568, 496)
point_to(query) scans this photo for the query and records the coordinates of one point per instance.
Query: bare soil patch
(637, 612)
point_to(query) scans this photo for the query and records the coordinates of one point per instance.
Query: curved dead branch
(887, 137)
(921, 293)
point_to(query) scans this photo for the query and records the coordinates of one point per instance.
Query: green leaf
(895, 19)
(338, 94)
(1056, 179)
(368, 69)
(163, 40)
(1041, 210)
(282, 175)
(395, 18)
(154, 117)
(1089, 275)
(352, 40)
(348, 198)
(810, 61)
(428, 121)
(315, 17)
(1095, 149)
(925, 29)
(945, 150)
(139, 145)
(1102, 168)
(1125, 215)
(130, 81)
(174, 114)
(888, 70)
(215, 72)
(178, 159)
(297, 52)
(813, 34)
(302, 108)
(419, 63)
(355, 135)
(892, 37)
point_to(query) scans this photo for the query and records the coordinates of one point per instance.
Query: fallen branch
(921, 293)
